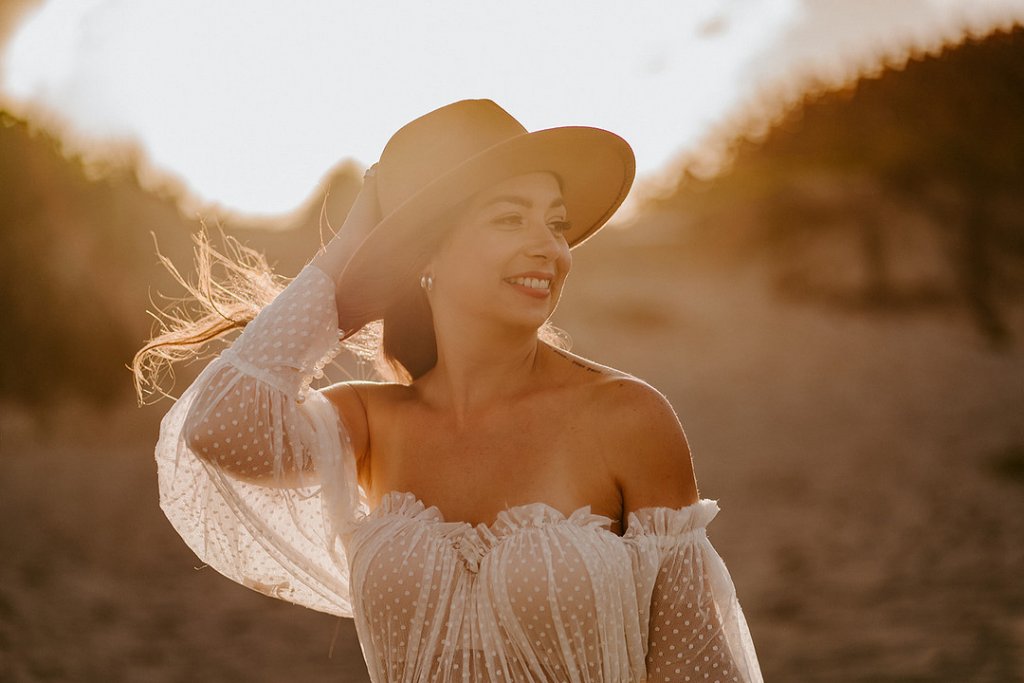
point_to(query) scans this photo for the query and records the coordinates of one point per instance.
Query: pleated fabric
(541, 596)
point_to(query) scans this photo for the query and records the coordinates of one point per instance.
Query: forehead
(530, 189)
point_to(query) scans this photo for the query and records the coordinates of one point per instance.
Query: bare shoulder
(584, 369)
(647, 448)
(356, 396)
(355, 401)
(614, 393)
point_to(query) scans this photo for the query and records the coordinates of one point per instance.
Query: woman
(505, 511)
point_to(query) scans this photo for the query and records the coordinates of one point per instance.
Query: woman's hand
(361, 219)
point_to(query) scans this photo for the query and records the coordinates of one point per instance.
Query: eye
(509, 219)
(560, 227)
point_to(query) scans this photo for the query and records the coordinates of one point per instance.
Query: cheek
(467, 262)
(565, 260)
(563, 264)
(457, 250)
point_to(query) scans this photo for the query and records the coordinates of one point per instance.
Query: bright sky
(251, 109)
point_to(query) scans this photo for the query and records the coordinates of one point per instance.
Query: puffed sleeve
(691, 621)
(256, 472)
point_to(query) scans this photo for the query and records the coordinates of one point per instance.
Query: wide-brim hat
(443, 158)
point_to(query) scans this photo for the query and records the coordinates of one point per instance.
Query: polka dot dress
(539, 595)
(543, 596)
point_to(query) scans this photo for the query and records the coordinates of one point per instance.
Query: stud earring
(427, 282)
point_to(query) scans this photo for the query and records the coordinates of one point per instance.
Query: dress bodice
(537, 595)
(474, 541)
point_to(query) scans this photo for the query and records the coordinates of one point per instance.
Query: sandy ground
(870, 470)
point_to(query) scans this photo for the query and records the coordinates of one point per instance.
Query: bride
(499, 509)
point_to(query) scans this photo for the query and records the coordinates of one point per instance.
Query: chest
(425, 586)
(503, 458)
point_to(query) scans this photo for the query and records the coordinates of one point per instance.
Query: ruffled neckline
(665, 521)
(642, 521)
(474, 541)
(509, 520)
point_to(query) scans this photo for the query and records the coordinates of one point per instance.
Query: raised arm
(257, 472)
(247, 416)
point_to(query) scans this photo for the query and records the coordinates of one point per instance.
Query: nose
(544, 243)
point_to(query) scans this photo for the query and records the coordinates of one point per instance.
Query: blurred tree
(78, 265)
(58, 326)
(937, 142)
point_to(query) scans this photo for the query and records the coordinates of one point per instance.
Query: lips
(533, 284)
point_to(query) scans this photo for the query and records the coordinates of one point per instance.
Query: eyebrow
(521, 201)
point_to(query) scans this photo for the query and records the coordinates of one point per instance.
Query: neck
(479, 364)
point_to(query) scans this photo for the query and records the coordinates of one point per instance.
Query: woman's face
(506, 257)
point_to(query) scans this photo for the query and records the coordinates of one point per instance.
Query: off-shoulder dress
(538, 595)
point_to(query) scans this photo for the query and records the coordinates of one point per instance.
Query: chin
(533, 322)
(521, 315)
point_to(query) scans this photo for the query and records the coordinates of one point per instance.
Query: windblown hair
(230, 288)
(234, 284)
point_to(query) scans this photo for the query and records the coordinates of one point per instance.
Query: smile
(531, 282)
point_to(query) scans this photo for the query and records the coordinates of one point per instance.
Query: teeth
(531, 282)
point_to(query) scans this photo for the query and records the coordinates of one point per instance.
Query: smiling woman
(501, 510)
(506, 257)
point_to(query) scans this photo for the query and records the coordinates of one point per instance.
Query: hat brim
(596, 169)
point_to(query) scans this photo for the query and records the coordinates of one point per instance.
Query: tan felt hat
(439, 160)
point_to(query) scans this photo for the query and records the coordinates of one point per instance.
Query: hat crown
(436, 143)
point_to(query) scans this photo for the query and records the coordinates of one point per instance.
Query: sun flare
(250, 110)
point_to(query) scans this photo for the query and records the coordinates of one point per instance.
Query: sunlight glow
(250, 109)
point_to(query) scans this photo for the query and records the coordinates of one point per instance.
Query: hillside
(78, 264)
(901, 192)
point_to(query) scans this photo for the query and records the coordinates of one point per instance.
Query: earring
(427, 282)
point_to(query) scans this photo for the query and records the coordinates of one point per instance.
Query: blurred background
(823, 271)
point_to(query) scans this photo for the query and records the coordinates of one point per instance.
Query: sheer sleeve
(691, 621)
(256, 472)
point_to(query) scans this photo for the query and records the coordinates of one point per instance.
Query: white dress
(536, 596)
